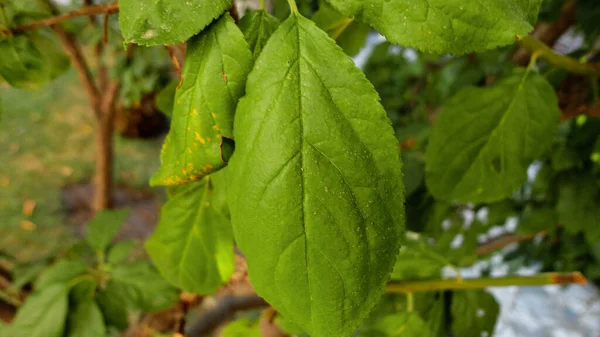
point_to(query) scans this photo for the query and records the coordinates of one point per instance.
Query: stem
(571, 65)
(262, 4)
(410, 302)
(450, 284)
(4, 17)
(293, 6)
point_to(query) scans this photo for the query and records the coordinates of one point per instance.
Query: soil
(144, 206)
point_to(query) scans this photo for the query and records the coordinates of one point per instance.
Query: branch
(480, 283)
(534, 46)
(503, 241)
(85, 11)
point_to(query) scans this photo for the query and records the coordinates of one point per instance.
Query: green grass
(47, 142)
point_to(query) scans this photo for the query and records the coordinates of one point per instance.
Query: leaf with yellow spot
(201, 138)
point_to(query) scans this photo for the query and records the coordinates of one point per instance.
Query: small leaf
(120, 251)
(193, 243)
(165, 99)
(113, 309)
(485, 138)
(200, 141)
(578, 206)
(151, 22)
(104, 227)
(258, 26)
(316, 196)
(43, 314)
(241, 328)
(61, 273)
(474, 313)
(452, 26)
(535, 219)
(348, 33)
(86, 320)
(139, 286)
(401, 324)
(418, 260)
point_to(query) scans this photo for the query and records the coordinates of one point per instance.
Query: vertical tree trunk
(103, 182)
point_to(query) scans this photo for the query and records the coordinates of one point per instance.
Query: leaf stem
(410, 302)
(293, 6)
(480, 283)
(262, 4)
(533, 45)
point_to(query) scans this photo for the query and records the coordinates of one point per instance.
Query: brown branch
(174, 59)
(223, 311)
(85, 11)
(503, 241)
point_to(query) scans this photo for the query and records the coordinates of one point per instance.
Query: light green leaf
(104, 227)
(485, 138)
(43, 314)
(86, 320)
(418, 260)
(30, 61)
(120, 251)
(139, 286)
(578, 206)
(241, 328)
(474, 313)
(193, 243)
(316, 196)
(154, 22)
(401, 324)
(348, 33)
(62, 272)
(258, 26)
(200, 141)
(165, 99)
(445, 26)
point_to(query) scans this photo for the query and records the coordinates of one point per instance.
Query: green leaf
(445, 26)
(62, 272)
(113, 309)
(104, 227)
(316, 196)
(485, 138)
(578, 206)
(30, 61)
(193, 243)
(348, 33)
(200, 141)
(43, 314)
(139, 286)
(418, 260)
(86, 320)
(535, 219)
(474, 313)
(120, 251)
(23, 274)
(498, 212)
(165, 99)
(407, 324)
(153, 22)
(414, 171)
(241, 328)
(258, 26)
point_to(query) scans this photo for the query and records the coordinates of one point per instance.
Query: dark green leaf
(139, 286)
(120, 251)
(86, 320)
(43, 314)
(452, 26)
(316, 198)
(104, 227)
(407, 324)
(348, 33)
(474, 313)
(62, 273)
(241, 328)
(485, 138)
(113, 309)
(193, 243)
(578, 206)
(587, 13)
(414, 171)
(165, 99)
(152, 22)
(538, 218)
(498, 212)
(200, 141)
(258, 26)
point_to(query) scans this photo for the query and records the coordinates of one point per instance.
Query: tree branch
(503, 241)
(85, 11)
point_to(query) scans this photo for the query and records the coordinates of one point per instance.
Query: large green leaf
(316, 196)
(103, 228)
(474, 313)
(445, 26)
(63, 272)
(348, 33)
(485, 138)
(154, 22)
(193, 244)
(30, 61)
(200, 141)
(43, 314)
(86, 320)
(139, 286)
(402, 324)
(258, 26)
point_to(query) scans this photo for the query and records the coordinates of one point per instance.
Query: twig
(174, 59)
(480, 283)
(85, 11)
(503, 241)
(222, 312)
(533, 45)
